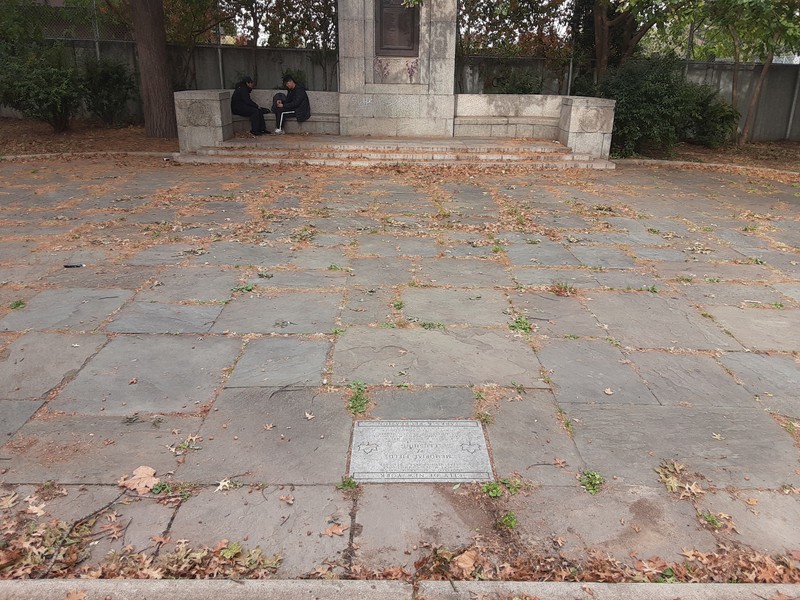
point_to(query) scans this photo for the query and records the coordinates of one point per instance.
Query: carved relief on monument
(396, 29)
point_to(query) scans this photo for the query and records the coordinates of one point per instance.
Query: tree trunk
(751, 107)
(155, 77)
(737, 53)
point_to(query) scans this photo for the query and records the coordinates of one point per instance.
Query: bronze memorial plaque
(419, 451)
(396, 29)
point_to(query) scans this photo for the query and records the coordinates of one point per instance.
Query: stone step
(259, 159)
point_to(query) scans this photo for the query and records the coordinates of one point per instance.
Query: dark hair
(247, 79)
(287, 78)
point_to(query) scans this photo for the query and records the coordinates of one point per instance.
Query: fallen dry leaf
(751, 501)
(75, 595)
(269, 426)
(288, 499)
(464, 563)
(336, 529)
(133, 381)
(309, 416)
(9, 501)
(608, 392)
(142, 481)
(34, 509)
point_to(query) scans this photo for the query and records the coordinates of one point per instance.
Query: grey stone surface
(166, 254)
(652, 321)
(239, 254)
(368, 305)
(398, 522)
(290, 312)
(319, 258)
(14, 414)
(556, 316)
(584, 370)
(463, 273)
(152, 317)
(600, 256)
(306, 279)
(385, 246)
(36, 363)
(428, 403)
(150, 374)
(263, 435)
(627, 280)
(78, 309)
(454, 357)
(773, 378)
(421, 451)
(527, 439)
(691, 379)
(619, 520)
(579, 278)
(726, 446)
(730, 294)
(106, 275)
(293, 531)
(538, 252)
(761, 329)
(280, 361)
(476, 307)
(92, 449)
(379, 272)
(191, 284)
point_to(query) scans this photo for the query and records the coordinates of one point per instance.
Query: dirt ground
(31, 137)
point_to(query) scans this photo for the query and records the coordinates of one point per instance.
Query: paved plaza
(213, 323)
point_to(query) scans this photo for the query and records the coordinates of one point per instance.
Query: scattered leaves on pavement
(142, 481)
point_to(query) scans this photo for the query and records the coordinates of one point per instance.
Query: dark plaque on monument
(396, 29)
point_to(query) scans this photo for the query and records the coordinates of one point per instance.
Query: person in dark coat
(296, 104)
(243, 105)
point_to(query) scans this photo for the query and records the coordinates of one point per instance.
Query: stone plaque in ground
(419, 451)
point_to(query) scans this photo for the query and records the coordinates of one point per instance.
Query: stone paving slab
(527, 439)
(152, 317)
(191, 284)
(366, 306)
(599, 256)
(645, 320)
(379, 272)
(294, 450)
(689, 379)
(761, 329)
(160, 255)
(79, 309)
(428, 403)
(395, 520)
(538, 252)
(106, 275)
(619, 520)
(585, 370)
(731, 294)
(320, 258)
(578, 278)
(36, 363)
(259, 518)
(14, 414)
(476, 307)
(752, 452)
(313, 279)
(242, 255)
(556, 316)
(290, 312)
(773, 378)
(385, 246)
(150, 374)
(92, 449)
(463, 273)
(452, 357)
(280, 361)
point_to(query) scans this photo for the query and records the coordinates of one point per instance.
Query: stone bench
(205, 119)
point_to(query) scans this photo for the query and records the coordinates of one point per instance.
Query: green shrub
(109, 85)
(518, 81)
(711, 121)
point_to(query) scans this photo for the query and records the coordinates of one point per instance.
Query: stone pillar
(204, 118)
(397, 95)
(585, 125)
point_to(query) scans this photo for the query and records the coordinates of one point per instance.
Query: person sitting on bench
(296, 104)
(243, 105)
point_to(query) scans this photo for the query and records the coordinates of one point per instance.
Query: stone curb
(90, 154)
(128, 589)
(686, 163)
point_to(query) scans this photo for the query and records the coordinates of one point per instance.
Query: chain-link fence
(91, 23)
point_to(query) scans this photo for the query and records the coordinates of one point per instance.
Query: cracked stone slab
(387, 246)
(14, 414)
(191, 284)
(379, 272)
(761, 329)
(320, 258)
(313, 279)
(600, 256)
(583, 371)
(714, 271)
(294, 531)
(527, 439)
(105, 275)
(556, 316)
(280, 361)
(773, 378)
(440, 358)
(476, 307)
(697, 380)
(730, 294)
(152, 317)
(291, 312)
(539, 252)
(429, 403)
(627, 280)
(652, 321)
(462, 273)
(81, 309)
(239, 254)
(740, 446)
(617, 521)
(579, 278)
(294, 450)
(366, 306)
(79, 449)
(36, 363)
(419, 451)
(394, 521)
(150, 374)
(163, 254)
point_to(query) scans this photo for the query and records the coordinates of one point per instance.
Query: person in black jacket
(296, 104)
(243, 105)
